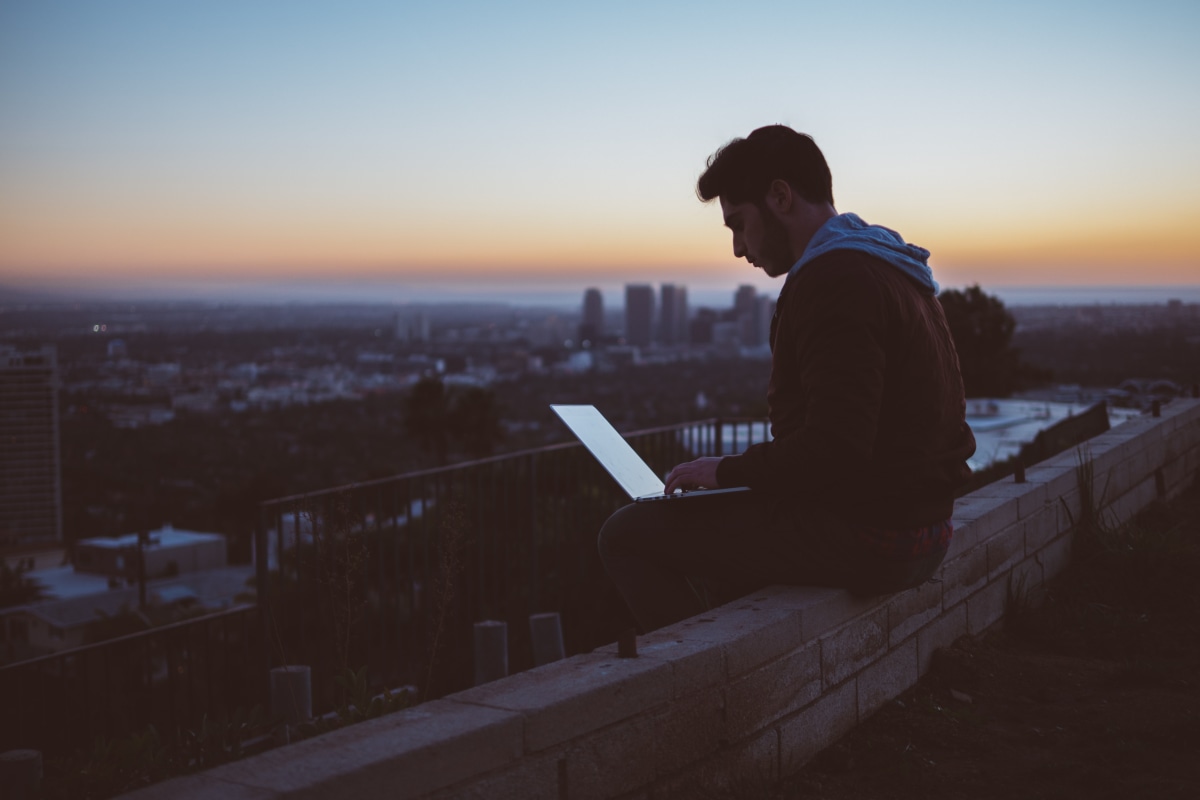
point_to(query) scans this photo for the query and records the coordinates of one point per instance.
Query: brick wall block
(533, 777)
(199, 787)
(1005, 549)
(990, 514)
(821, 609)
(942, 632)
(853, 646)
(774, 690)
(1028, 578)
(750, 632)
(1054, 557)
(689, 728)
(963, 575)
(746, 769)
(695, 665)
(404, 755)
(1067, 510)
(886, 678)
(576, 696)
(912, 609)
(966, 535)
(1127, 474)
(1175, 474)
(971, 507)
(986, 607)
(810, 731)
(1041, 528)
(1067, 459)
(1125, 507)
(1057, 479)
(1029, 496)
(611, 761)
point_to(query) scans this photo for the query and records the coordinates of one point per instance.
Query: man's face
(758, 236)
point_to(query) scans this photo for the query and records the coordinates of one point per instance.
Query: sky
(204, 146)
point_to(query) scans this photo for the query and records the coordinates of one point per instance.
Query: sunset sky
(192, 144)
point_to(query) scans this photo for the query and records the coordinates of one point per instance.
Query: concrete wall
(738, 697)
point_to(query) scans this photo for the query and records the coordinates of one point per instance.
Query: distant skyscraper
(748, 312)
(412, 325)
(592, 326)
(673, 314)
(30, 486)
(639, 315)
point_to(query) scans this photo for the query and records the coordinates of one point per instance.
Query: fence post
(291, 698)
(21, 773)
(262, 594)
(491, 651)
(545, 630)
(719, 445)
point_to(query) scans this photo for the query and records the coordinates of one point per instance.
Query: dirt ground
(1090, 690)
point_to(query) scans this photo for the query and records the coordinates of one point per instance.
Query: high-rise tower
(639, 315)
(673, 314)
(30, 483)
(591, 328)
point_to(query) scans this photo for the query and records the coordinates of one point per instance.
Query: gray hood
(849, 232)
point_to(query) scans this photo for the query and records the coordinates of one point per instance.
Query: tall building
(673, 314)
(30, 483)
(412, 325)
(639, 315)
(748, 313)
(592, 326)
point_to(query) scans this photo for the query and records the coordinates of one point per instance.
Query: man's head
(775, 191)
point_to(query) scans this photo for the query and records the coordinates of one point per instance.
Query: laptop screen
(613, 452)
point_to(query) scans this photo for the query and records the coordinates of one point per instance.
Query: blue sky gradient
(155, 143)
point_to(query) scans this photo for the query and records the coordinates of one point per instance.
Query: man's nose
(739, 249)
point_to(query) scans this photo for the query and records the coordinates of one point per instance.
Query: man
(865, 398)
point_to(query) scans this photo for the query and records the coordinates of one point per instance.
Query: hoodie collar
(850, 232)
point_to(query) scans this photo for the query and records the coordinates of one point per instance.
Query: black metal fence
(387, 576)
(390, 575)
(170, 677)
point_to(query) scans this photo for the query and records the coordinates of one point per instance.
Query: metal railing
(388, 575)
(170, 677)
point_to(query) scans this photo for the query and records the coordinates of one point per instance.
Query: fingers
(698, 474)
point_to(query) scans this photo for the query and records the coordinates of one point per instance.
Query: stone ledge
(782, 672)
(574, 697)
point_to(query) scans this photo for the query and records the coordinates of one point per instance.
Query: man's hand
(698, 474)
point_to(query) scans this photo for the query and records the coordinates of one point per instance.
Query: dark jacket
(865, 398)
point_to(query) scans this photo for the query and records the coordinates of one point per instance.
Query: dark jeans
(737, 543)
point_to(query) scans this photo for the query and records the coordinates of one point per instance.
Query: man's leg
(650, 549)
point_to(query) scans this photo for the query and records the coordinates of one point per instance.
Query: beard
(776, 257)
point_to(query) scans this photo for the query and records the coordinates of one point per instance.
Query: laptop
(615, 455)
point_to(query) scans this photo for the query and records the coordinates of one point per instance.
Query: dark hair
(743, 169)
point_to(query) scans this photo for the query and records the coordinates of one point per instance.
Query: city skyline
(212, 148)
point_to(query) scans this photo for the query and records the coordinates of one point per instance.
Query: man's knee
(620, 531)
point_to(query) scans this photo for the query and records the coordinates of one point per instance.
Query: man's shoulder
(838, 272)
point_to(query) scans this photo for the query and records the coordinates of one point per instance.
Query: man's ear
(779, 196)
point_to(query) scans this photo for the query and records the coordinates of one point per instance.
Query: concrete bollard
(545, 630)
(291, 694)
(20, 773)
(491, 651)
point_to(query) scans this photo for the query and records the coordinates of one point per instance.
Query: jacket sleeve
(831, 348)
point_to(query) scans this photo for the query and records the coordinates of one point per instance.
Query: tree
(16, 588)
(426, 416)
(982, 329)
(475, 421)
